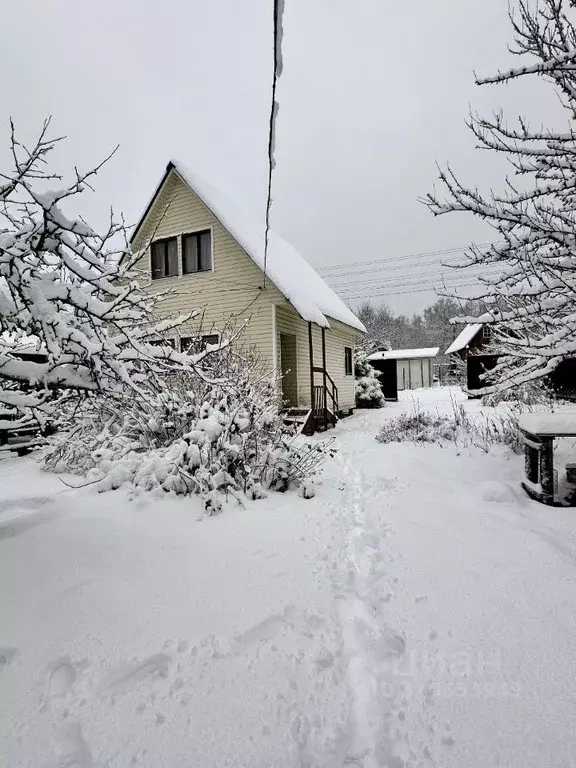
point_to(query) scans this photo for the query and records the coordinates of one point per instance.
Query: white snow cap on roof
(464, 338)
(287, 269)
(405, 354)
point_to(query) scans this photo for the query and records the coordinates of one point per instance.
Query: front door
(289, 364)
(389, 379)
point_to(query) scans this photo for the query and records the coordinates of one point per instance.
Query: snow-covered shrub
(481, 430)
(191, 437)
(418, 427)
(368, 389)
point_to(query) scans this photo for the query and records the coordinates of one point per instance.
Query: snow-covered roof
(310, 296)
(561, 423)
(405, 354)
(464, 338)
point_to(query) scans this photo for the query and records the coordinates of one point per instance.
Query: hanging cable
(278, 64)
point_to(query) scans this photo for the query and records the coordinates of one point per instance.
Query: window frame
(163, 241)
(348, 361)
(197, 233)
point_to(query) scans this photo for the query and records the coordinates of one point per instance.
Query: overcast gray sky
(374, 92)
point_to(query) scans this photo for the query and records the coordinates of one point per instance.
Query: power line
(385, 294)
(351, 284)
(416, 288)
(387, 268)
(417, 280)
(352, 264)
(384, 268)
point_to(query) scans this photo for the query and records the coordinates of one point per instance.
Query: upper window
(164, 258)
(197, 252)
(348, 361)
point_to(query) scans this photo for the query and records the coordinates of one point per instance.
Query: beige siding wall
(234, 289)
(338, 336)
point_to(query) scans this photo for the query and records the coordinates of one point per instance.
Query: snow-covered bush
(418, 427)
(481, 430)
(368, 389)
(191, 437)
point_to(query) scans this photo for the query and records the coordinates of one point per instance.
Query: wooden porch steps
(300, 419)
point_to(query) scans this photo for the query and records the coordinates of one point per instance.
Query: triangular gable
(310, 296)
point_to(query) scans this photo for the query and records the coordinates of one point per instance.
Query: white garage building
(413, 366)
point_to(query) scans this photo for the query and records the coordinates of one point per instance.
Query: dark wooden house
(471, 347)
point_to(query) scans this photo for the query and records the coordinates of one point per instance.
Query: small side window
(348, 368)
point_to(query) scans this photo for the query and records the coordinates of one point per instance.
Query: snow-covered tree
(68, 289)
(529, 273)
(368, 389)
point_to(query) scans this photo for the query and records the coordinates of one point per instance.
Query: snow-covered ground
(420, 611)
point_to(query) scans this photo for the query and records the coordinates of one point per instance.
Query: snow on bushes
(418, 427)
(484, 430)
(192, 437)
(367, 387)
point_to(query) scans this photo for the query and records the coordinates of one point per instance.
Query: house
(471, 347)
(210, 255)
(401, 369)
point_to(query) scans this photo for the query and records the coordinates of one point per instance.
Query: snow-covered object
(189, 437)
(310, 296)
(367, 387)
(542, 424)
(308, 489)
(464, 338)
(404, 354)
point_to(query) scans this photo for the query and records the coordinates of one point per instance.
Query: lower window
(197, 344)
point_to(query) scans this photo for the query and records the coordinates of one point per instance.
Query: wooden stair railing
(325, 406)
